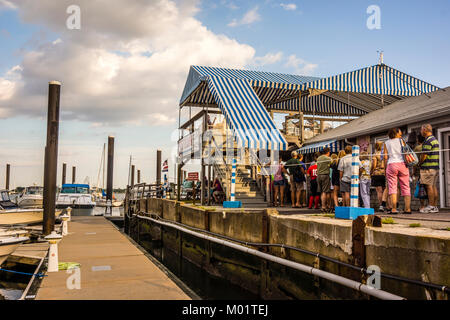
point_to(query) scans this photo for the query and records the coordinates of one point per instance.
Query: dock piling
(8, 169)
(158, 167)
(132, 175)
(64, 174)
(110, 172)
(51, 157)
(74, 171)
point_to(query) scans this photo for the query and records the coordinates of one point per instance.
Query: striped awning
(321, 105)
(245, 114)
(312, 148)
(379, 79)
(352, 93)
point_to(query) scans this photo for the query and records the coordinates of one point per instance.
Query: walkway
(112, 268)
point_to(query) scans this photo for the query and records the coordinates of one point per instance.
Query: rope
(25, 273)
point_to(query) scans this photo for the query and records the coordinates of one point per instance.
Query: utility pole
(51, 157)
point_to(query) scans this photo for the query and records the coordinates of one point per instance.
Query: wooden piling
(51, 157)
(110, 170)
(74, 172)
(8, 170)
(64, 174)
(132, 176)
(158, 167)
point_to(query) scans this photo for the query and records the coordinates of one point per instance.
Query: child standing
(364, 177)
(312, 173)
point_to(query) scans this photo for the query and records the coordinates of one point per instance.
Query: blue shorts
(278, 183)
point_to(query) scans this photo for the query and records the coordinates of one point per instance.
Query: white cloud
(249, 17)
(289, 6)
(121, 67)
(269, 58)
(5, 4)
(300, 66)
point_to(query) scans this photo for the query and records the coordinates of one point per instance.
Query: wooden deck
(112, 268)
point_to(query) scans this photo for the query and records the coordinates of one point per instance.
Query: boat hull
(23, 216)
(30, 202)
(6, 249)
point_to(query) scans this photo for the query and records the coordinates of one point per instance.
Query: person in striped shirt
(429, 167)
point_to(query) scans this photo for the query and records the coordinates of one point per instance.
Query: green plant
(414, 225)
(387, 220)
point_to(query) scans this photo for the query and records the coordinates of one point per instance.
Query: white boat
(78, 197)
(8, 244)
(32, 197)
(13, 217)
(11, 214)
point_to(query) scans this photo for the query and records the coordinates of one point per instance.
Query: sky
(124, 69)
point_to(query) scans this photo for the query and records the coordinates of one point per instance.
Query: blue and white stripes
(332, 144)
(245, 114)
(233, 181)
(354, 190)
(378, 79)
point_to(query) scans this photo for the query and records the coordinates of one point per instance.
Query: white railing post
(354, 194)
(233, 181)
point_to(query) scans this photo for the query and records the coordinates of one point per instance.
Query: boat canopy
(75, 185)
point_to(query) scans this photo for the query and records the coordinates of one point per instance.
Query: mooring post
(64, 174)
(51, 157)
(8, 169)
(110, 172)
(74, 173)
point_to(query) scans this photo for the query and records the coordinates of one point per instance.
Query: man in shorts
(429, 167)
(323, 179)
(293, 166)
(345, 173)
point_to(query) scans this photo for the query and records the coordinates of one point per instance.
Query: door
(446, 162)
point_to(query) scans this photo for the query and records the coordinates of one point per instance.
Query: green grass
(448, 229)
(388, 220)
(414, 225)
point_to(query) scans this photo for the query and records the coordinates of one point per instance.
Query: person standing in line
(278, 184)
(323, 179)
(303, 179)
(335, 177)
(345, 174)
(293, 166)
(312, 174)
(378, 179)
(396, 169)
(366, 167)
(429, 167)
(416, 170)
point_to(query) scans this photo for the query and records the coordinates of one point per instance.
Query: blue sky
(321, 38)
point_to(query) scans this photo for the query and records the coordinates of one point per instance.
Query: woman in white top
(396, 169)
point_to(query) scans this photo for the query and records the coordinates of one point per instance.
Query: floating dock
(112, 267)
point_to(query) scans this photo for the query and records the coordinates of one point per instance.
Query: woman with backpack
(396, 169)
